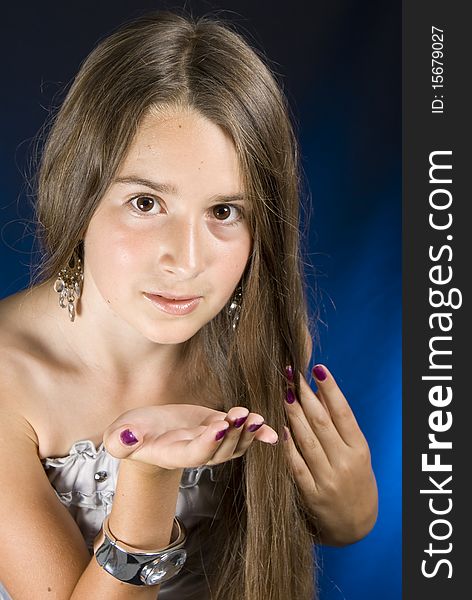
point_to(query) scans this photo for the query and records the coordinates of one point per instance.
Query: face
(173, 222)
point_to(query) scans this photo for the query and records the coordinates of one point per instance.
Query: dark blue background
(341, 67)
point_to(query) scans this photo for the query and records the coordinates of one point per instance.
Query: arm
(43, 552)
(137, 519)
(38, 530)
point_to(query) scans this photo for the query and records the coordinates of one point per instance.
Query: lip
(172, 296)
(174, 307)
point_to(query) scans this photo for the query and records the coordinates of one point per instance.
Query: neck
(106, 344)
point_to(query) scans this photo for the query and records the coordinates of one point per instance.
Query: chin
(170, 333)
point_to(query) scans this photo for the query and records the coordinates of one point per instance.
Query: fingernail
(128, 437)
(290, 397)
(239, 421)
(255, 426)
(285, 435)
(319, 373)
(220, 434)
(289, 373)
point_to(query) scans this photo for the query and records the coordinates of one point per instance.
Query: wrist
(148, 470)
(344, 533)
(144, 504)
(138, 566)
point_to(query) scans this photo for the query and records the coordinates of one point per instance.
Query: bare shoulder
(18, 436)
(36, 527)
(24, 317)
(24, 358)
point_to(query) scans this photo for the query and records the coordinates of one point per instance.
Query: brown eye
(144, 203)
(224, 211)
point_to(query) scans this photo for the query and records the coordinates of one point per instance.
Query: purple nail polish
(239, 421)
(220, 434)
(285, 435)
(290, 396)
(255, 426)
(128, 437)
(319, 373)
(289, 373)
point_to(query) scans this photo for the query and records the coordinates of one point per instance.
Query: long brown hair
(162, 60)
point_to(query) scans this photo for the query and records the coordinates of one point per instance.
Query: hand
(333, 471)
(176, 436)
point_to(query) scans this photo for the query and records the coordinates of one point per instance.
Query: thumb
(123, 441)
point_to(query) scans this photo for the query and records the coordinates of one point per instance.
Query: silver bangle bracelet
(140, 567)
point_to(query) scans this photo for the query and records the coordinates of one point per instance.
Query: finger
(256, 430)
(301, 473)
(314, 431)
(317, 396)
(339, 409)
(265, 433)
(237, 442)
(202, 448)
(236, 417)
(291, 385)
(178, 448)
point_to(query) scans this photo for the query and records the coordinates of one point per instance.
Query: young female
(139, 429)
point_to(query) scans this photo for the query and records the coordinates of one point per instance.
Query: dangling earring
(235, 306)
(69, 284)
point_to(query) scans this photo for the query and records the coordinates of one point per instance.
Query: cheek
(113, 253)
(233, 258)
(243, 252)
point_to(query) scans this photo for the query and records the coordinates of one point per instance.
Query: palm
(174, 436)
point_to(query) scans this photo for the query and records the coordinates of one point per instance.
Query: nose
(182, 249)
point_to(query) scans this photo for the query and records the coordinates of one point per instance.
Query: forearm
(142, 516)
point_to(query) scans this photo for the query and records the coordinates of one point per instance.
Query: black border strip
(436, 292)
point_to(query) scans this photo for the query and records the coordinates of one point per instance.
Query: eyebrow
(168, 188)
